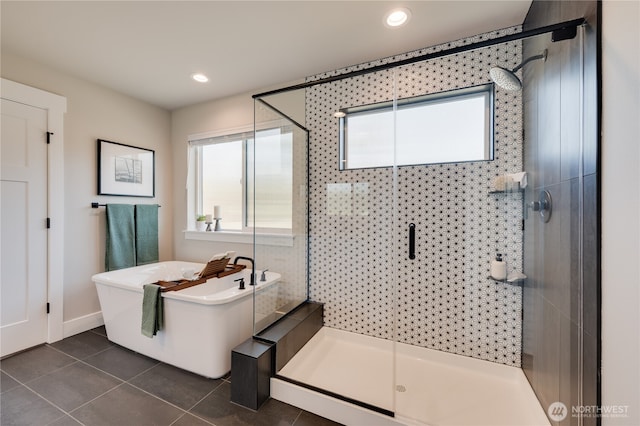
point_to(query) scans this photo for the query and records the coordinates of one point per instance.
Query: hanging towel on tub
(152, 310)
(120, 249)
(146, 234)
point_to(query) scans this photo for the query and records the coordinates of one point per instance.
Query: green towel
(152, 310)
(120, 249)
(146, 234)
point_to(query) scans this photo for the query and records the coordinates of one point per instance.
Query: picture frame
(125, 170)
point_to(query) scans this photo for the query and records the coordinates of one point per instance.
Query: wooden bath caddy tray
(213, 267)
(182, 284)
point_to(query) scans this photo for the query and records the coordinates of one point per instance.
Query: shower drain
(401, 388)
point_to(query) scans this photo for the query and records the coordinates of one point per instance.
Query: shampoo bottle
(498, 268)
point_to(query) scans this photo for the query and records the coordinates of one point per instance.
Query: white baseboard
(82, 324)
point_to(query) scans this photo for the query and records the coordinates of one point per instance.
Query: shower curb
(256, 360)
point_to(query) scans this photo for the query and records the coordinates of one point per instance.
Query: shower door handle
(412, 241)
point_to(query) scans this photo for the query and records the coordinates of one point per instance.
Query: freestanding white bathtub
(202, 324)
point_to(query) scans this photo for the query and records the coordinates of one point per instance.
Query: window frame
(246, 135)
(487, 90)
(194, 181)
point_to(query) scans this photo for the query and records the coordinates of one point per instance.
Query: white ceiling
(149, 49)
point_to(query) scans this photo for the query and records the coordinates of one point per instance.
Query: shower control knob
(543, 206)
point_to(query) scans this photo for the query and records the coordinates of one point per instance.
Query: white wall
(621, 209)
(96, 112)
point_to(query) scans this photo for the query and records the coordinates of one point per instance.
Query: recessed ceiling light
(397, 17)
(339, 114)
(200, 78)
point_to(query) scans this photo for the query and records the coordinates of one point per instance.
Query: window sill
(283, 240)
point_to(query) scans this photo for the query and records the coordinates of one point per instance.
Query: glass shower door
(446, 304)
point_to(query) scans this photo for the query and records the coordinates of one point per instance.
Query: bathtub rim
(214, 298)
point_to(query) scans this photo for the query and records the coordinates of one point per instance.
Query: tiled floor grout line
(45, 399)
(197, 417)
(99, 334)
(90, 401)
(204, 397)
(64, 416)
(18, 381)
(65, 353)
(156, 397)
(296, 419)
(194, 415)
(179, 408)
(100, 351)
(82, 361)
(133, 386)
(132, 377)
(178, 419)
(6, 357)
(143, 372)
(103, 371)
(51, 372)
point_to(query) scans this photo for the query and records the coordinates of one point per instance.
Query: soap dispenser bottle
(498, 268)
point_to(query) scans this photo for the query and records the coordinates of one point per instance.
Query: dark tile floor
(85, 379)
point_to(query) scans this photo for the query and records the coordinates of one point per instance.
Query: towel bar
(95, 205)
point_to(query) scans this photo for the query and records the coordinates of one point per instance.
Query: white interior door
(23, 213)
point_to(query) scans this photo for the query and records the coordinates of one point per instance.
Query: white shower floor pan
(431, 387)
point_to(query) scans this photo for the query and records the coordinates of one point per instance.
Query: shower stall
(405, 182)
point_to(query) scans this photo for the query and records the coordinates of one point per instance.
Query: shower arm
(542, 55)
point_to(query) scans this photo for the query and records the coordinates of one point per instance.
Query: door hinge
(49, 137)
(523, 224)
(48, 307)
(48, 223)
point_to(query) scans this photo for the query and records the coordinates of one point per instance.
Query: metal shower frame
(561, 31)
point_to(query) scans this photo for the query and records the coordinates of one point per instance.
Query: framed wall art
(125, 170)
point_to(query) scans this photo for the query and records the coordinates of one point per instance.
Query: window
(224, 171)
(454, 126)
(273, 192)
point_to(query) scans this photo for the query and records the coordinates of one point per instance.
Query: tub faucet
(241, 285)
(252, 280)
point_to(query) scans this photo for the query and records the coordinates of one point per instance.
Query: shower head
(507, 79)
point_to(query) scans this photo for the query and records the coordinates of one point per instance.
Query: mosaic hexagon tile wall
(443, 299)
